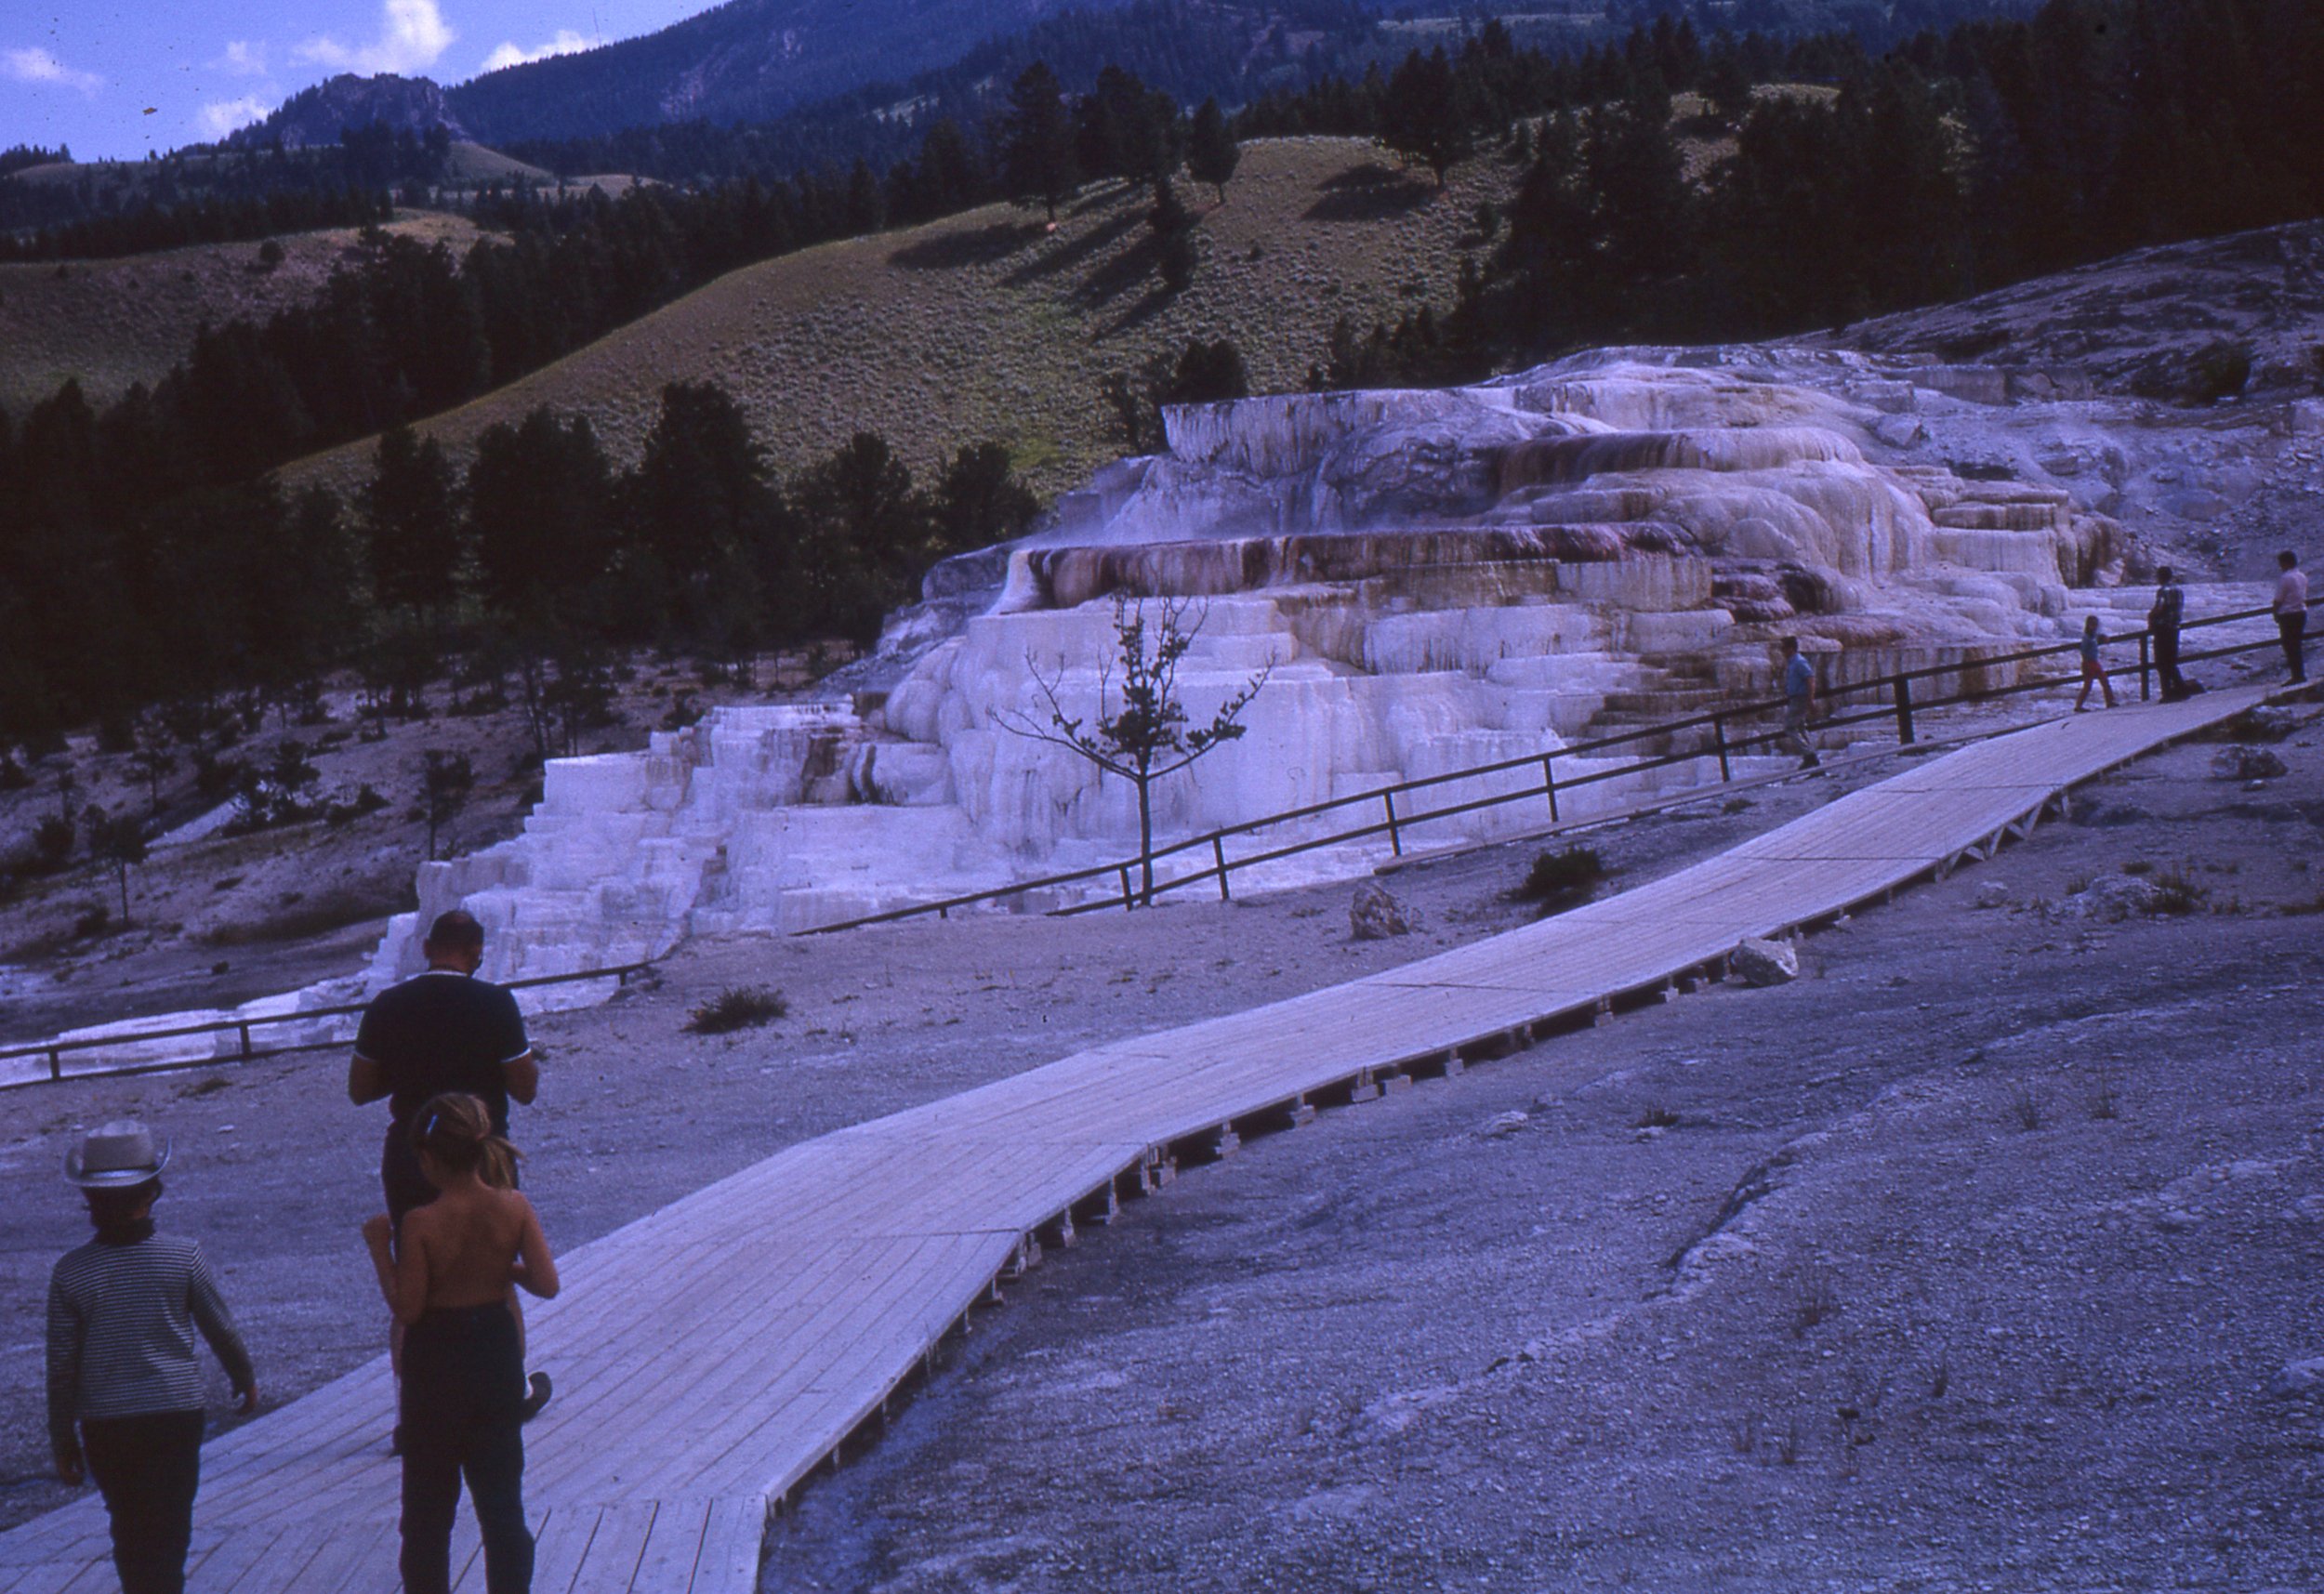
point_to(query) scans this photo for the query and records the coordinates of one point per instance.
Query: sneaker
(531, 1406)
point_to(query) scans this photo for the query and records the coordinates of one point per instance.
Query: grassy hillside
(113, 322)
(984, 325)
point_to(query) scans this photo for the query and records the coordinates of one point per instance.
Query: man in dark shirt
(441, 1029)
(444, 1030)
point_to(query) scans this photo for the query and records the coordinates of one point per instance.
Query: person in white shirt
(2292, 611)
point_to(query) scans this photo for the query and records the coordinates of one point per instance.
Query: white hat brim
(113, 1179)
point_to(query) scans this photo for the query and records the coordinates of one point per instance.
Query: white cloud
(39, 66)
(243, 59)
(221, 117)
(411, 35)
(566, 43)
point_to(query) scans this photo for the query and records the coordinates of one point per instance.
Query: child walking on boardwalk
(2093, 673)
(121, 1315)
(449, 1282)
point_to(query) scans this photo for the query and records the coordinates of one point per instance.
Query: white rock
(2302, 1378)
(1759, 962)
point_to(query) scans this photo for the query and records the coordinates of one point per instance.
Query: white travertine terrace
(1435, 580)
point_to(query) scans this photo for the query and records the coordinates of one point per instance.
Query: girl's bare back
(473, 1241)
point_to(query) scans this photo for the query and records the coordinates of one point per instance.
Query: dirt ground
(1963, 1261)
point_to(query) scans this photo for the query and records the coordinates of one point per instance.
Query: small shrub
(13, 776)
(93, 922)
(1561, 879)
(2027, 1105)
(1787, 1444)
(1941, 1379)
(52, 841)
(738, 1008)
(2218, 371)
(2177, 892)
(2104, 1103)
(1657, 1116)
(1813, 1300)
(2138, 866)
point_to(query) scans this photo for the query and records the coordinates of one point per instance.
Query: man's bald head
(455, 941)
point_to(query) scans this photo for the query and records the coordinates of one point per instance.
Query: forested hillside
(1670, 187)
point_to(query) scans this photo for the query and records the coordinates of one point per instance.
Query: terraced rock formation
(1431, 581)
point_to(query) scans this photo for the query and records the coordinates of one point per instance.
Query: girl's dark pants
(148, 1468)
(463, 1383)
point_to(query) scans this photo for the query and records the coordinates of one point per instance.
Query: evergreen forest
(146, 555)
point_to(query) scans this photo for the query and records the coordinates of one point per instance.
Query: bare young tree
(1141, 734)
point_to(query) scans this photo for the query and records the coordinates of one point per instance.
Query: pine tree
(1424, 116)
(978, 500)
(1036, 141)
(1212, 152)
(412, 523)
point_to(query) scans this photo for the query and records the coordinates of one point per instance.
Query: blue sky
(116, 78)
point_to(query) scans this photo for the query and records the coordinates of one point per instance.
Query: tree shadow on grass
(972, 246)
(1049, 263)
(1371, 193)
(1148, 305)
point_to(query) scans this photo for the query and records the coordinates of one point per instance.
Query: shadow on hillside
(1149, 304)
(1371, 193)
(1050, 262)
(975, 247)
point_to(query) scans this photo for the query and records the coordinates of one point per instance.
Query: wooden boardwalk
(710, 1356)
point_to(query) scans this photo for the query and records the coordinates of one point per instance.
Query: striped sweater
(121, 1322)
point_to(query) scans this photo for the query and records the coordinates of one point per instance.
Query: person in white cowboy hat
(121, 1315)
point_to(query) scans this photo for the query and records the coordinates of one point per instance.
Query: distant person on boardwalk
(2292, 611)
(2093, 673)
(2163, 620)
(121, 1315)
(1799, 703)
(449, 1280)
(444, 1029)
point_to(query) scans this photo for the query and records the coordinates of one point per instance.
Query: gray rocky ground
(1963, 1260)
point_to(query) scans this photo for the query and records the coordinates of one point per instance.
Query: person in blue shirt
(1799, 703)
(2093, 673)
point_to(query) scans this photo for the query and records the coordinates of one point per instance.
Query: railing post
(1395, 836)
(1129, 900)
(1904, 711)
(246, 1041)
(2146, 669)
(1719, 733)
(56, 1064)
(1549, 785)
(1218, 850)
